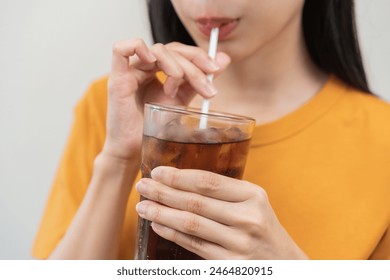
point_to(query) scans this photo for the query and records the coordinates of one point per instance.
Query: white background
(50, 51)
(194, 270)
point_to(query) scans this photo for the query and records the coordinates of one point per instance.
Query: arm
(95, 229)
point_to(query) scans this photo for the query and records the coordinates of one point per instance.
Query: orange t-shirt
(325, 167)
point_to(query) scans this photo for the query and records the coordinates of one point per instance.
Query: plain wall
(50, 51)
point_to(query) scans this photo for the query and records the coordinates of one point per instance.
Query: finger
(168, 64)
(197, 78)
(201, 59)
(202, 248)
(186, 93)
(121, 52)
(205, 183)
(213, 209)
(171, 86)
(186, 222)
(196, 56)
(223, 61)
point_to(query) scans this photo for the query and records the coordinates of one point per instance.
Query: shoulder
(94, 100)
(99, 85)
(367, 113)
(96, 92)
(374, 106)
(362, 106)
(370, 104)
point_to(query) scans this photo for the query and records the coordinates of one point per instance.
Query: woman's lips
(226, 26)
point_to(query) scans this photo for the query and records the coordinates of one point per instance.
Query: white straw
(212, 51)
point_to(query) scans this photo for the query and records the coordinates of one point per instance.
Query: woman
(317, 181)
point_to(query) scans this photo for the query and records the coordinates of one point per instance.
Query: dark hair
(329, 29)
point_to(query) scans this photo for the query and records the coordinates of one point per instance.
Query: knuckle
(248, 222)
(158, 47)
(245, 245)
(156, 214)
(238, 254)
(178, 74)
(173, 45)
(196, 76)
(175, 236)
(159, 196)
(138, 43)
(197, 243)
(260, 195)
(209, 182)
(174, 176)
(201, 55)
(117, 47)
(191, 225)
(252, 222)
(175, 71)
(194, 205)
(257, 193)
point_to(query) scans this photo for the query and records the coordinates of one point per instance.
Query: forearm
(95, 230)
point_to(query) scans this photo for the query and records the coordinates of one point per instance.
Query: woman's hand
(133, 82)
(214, 216)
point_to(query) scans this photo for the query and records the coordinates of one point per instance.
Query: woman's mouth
(226, 26)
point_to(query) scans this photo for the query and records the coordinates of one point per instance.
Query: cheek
(181, 9)
(186, 8)
(274, 18)
(269, 16)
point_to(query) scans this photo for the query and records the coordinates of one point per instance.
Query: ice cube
(208, 135)
(234, 134)
(175, 131)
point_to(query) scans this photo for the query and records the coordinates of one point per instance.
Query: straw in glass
(212, 51)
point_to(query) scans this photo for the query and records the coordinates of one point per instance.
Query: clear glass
(173, 136)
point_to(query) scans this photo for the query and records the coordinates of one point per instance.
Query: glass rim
(187, 110)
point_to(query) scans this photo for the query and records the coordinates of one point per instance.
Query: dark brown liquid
(224, 158)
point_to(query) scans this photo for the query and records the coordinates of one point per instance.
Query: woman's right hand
(133, 82)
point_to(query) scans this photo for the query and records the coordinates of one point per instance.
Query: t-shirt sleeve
(85, 141)
(382, 251)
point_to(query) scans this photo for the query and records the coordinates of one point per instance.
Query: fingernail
(212, 65)
(140, 208)
(151, 56)
(156, 227)
(155, 173)
(211, 90)
(140, 186)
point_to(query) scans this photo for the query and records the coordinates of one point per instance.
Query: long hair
(329, 30)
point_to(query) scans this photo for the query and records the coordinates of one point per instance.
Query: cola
(178, 141)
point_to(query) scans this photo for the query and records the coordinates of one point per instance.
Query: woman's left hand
(214, 216)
